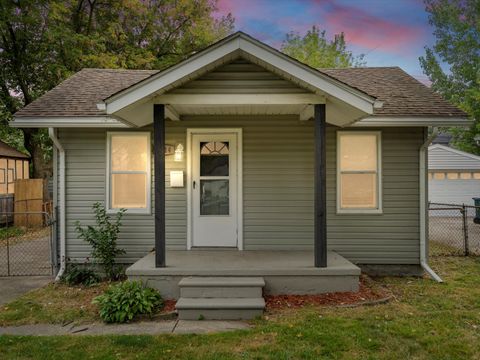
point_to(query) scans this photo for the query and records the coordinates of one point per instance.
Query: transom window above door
(128, 177)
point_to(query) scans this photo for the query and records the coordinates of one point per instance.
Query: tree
(317, 51)
(42, 42)
(457, 31)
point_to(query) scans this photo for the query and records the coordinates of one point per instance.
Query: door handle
(194, 183)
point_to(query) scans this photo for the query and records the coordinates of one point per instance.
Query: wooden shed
(14, 165)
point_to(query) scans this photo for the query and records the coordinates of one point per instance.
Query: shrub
(124, 301)
(103, 239)
(80, 275)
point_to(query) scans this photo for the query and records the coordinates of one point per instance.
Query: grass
(9, 232)
(53, 304)
(425, 321)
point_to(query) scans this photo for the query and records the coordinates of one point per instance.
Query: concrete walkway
(139, 328)
(15, 286)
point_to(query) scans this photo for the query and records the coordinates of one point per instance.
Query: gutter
(61, 201)
(423, 208)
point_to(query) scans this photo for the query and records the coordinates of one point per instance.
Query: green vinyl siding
(277, 191)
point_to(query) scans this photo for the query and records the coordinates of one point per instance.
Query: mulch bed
(169, 306)
(370, 293)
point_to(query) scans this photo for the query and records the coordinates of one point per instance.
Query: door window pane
(439, 176)
(214, 197)
(465, 176)
(214, 159)
(129, 191)
(359, 191)
(452, 176)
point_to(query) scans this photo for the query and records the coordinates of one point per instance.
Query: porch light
(178, 152)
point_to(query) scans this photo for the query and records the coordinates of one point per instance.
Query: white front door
(213, 204)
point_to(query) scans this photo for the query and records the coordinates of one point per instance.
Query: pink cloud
(369, 31)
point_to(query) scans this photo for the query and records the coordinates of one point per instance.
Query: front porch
(284, 272)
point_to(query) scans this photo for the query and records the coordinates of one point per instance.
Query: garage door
(454, 187)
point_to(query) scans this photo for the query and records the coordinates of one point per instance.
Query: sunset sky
(388, 32)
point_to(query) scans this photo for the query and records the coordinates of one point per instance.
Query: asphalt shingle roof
(401, 94)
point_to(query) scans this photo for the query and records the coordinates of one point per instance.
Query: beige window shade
(129, 171)
(358, 171)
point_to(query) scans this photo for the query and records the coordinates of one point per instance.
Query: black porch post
(320, 212)
(159, 158)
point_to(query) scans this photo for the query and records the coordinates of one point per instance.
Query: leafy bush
(123, 301)
(103, 239)
(80, 275)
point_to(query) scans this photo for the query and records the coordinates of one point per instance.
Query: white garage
(454, 175)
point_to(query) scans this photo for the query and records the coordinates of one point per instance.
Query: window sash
(376, 172)
(146, 172)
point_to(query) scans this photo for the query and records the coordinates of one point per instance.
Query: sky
(387, 32)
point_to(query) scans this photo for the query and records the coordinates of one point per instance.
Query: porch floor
(285, 272)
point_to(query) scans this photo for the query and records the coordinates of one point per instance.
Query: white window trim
(108, 190)
(379, 209)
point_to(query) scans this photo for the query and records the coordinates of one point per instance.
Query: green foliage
(42, 42)
(9, 232)
(317, 51)
(80, 275)
(103, 239)
(124, 301)
(457, 31)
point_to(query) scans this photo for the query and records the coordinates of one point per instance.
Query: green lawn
(426, 321)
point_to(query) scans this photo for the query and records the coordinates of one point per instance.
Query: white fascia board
(147, 88)
(67, 122)
(391, 121)
(310, 76)
(239, 99)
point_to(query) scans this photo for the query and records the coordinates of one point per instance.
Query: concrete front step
(220, 308)
(221, 287)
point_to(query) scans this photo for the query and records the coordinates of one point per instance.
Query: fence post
(465, 229)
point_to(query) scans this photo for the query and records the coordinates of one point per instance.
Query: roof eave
(392, 121)
(67, 122)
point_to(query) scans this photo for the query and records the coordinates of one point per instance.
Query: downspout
(423, 208)
(61, 200)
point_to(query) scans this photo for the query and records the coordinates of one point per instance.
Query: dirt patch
(370, 293)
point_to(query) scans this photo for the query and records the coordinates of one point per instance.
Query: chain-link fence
(26, 244)
(452, 230)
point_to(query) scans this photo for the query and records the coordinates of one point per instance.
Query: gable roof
(400, 94)
(8, 151)
(441, 157)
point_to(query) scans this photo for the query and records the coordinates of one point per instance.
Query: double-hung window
(359, 172)
(128, 175)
